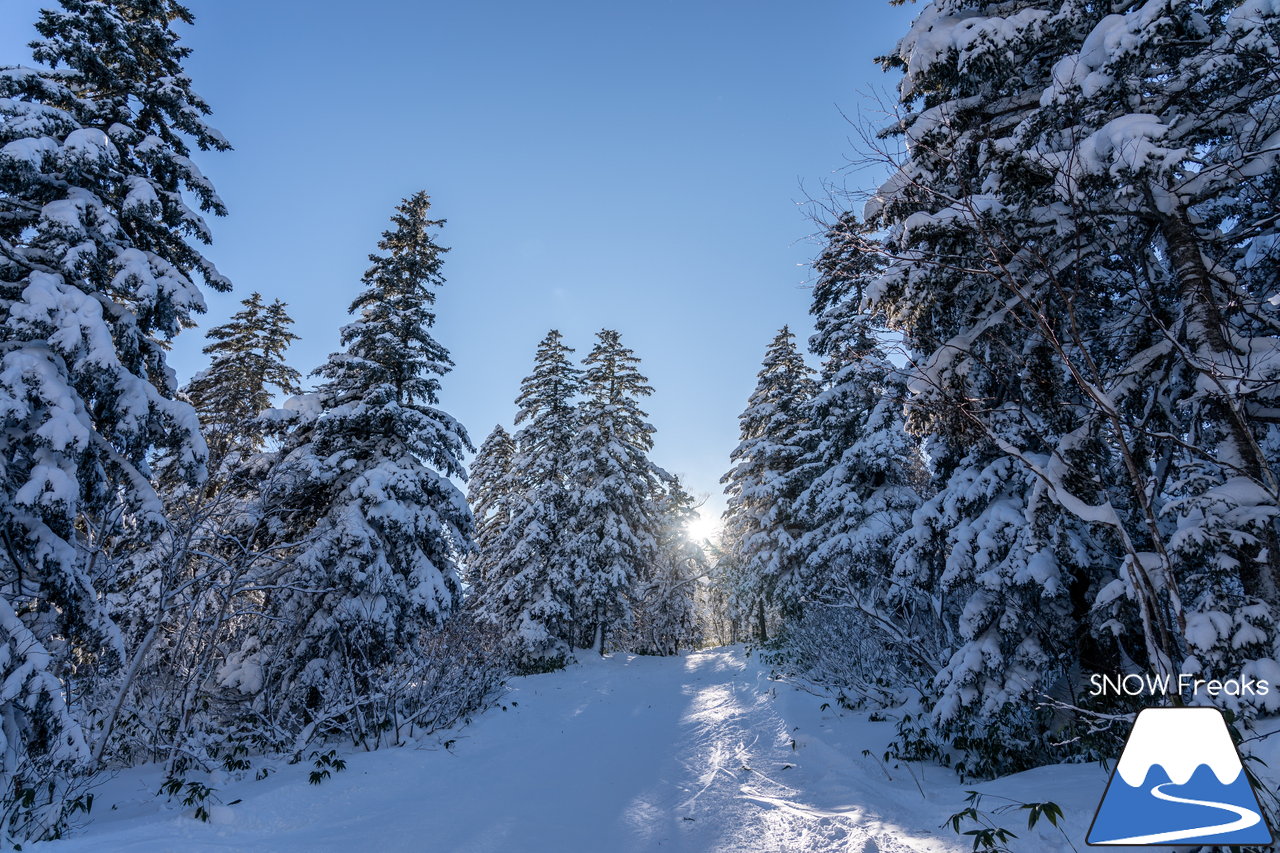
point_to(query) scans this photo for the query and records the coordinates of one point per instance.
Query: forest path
(697, 753)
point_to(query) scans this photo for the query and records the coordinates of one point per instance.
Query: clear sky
(638, 166)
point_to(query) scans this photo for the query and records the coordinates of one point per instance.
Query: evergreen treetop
(530, 591)
(247, 369)
(390, 344)
(615, 530)
(761, 521)
(546, 405)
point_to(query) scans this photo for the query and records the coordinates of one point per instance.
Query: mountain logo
(1179, 781)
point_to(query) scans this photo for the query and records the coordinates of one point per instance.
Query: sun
(703, 526)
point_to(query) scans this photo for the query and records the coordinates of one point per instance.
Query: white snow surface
(688, 753)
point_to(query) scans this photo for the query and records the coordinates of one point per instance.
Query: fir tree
(532, 599)
(491, 492)
(862, 467)
(97, 270)
(247, 369)
(761, 522)
(994, 541)
(1169, 113)
(365, 491)
(612, 480)
(1081, 287)
(732, 614)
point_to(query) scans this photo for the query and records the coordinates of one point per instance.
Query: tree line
(190, 576)
(581, 539)
(195, 578)
(1043, 442)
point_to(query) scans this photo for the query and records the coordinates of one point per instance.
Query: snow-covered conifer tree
(530, 592)
(762, 521)
(1076, 263)
(365, 494)
(863, 631)
(98, 268)
(491, 493)
(247, 368)
(727, 608)
(612, 479)
(1168, 117)
(862, 467)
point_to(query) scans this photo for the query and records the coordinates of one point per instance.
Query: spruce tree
(762, 522)
(614, 529)
(1169, 116)
(1076, 262)
(98, 268)
(861, 467)
(491, 492)
(530, 595)
(247, 369)
(365, 491)
(185, 596)
(995, 542)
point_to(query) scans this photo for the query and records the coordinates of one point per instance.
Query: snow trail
(697, 753)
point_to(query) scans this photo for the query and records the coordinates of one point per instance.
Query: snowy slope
(623, 754)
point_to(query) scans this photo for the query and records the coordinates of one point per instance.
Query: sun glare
(703, 527)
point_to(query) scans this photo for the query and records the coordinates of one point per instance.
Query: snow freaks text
(1136, 684)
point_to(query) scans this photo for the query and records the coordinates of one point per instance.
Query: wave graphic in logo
(1179, 781)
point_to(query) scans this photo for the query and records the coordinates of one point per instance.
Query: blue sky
(638, 166)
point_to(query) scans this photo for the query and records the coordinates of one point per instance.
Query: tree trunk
(1205, 336)
(123, 693)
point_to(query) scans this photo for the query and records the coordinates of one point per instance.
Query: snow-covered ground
(697, 753)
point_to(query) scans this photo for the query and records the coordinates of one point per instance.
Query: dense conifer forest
(1034, 436)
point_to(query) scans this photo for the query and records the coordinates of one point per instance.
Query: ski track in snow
(623, 754)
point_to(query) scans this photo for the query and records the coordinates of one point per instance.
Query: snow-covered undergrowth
(703, 752)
